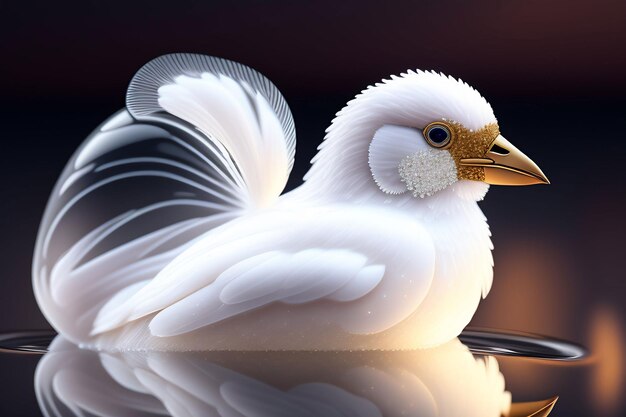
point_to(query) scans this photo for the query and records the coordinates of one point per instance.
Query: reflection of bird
(446, 381)
(167, 229)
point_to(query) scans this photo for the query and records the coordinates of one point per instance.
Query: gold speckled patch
(471, 144)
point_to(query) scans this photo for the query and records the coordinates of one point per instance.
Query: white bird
(167, 230)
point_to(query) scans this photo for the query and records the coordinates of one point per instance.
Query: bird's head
(425, 132)
(449, 133)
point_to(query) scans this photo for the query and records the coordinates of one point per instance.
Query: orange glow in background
(533, 289)
(607, 344)
(569, 287)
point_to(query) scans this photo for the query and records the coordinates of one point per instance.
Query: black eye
(437, 135)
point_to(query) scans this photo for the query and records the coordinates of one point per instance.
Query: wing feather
(292, 258)
(260, 280)
(366, 279)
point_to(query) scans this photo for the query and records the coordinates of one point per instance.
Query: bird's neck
(457, 202)
(340, 170)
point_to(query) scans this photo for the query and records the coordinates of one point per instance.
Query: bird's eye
(438, 135)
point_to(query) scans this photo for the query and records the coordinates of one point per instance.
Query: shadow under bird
(167, 229)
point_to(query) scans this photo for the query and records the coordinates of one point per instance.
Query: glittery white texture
(427, 171)
(389, 145)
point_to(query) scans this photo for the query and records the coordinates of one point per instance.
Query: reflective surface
(27, 342)
(519, 344)
(445, 381)
(478, 341)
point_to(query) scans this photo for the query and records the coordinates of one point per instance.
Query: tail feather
(203, 141)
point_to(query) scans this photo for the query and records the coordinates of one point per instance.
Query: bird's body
(365, 254)
(312, 278)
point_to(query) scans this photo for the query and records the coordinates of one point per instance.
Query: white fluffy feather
(233, 115)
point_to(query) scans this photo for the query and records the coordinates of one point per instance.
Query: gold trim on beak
(504, 164)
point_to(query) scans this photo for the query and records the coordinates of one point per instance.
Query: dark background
(553, 70)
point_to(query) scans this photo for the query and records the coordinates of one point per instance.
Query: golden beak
(504, 164)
